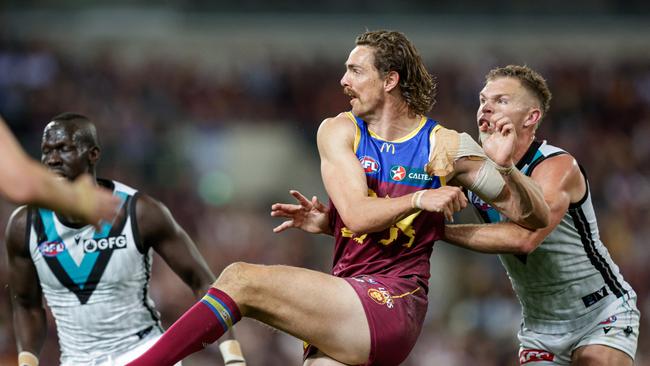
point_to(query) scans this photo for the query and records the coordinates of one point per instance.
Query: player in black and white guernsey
(577, 308)
(96, 282)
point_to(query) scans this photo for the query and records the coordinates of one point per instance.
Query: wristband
(504, 170)
(416, 200)
(27, 359)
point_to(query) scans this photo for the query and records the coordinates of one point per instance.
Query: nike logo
(607, 329)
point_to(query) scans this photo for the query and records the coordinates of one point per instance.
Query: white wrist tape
(416, 200)
(488, 183)
(27, 359)
(231, 353)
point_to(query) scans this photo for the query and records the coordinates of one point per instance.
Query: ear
(533, 117)
(93, 155)
(391, 81)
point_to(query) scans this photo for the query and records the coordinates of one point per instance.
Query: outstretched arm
(346, 185)
(25, 181)
(561, 182)
(30, 324)
(160, 231)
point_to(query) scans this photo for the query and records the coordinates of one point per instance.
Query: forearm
(522, 201)
(372, 214)
(501, 238)
(30, 328)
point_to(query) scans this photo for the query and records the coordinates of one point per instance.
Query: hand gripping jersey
(393, 169)
(570, 276)
(95, 282)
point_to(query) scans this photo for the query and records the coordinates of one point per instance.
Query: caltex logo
(369, 164)
(397, 173)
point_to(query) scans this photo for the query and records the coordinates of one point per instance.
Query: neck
(393, 122)
(523, 145)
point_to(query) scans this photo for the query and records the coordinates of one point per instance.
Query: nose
(52, 159)
(344, 80)
(487, 107)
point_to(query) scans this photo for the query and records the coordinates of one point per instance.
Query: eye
(502, 101)
(67, 149)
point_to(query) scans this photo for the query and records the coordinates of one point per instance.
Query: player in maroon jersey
(386, 212)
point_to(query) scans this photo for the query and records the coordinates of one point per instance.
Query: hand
(446, 199)
(96, 204)
(499, 137)
(310, 216)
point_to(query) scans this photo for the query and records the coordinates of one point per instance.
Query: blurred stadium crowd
(167, 129)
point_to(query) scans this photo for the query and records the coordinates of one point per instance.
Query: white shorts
(123, 358)
(616, 327)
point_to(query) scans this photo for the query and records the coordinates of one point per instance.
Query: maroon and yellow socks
(201, 325)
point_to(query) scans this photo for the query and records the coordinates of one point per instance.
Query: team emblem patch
(370, 165)
(51, 248)
(397, 173)
(381, 296)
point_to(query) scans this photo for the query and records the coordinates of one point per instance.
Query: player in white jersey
(577, 308)
(96, 282)
(24, 181)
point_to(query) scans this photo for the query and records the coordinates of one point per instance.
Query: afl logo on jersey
(397, 173)
(370, 165)
(51, 248)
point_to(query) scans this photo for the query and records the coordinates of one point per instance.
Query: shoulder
(152, 215)
(341, 128)
(559, 172)
(16, 229)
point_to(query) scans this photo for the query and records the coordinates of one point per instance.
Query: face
(62, 154)
(362, 81)
(507, 96)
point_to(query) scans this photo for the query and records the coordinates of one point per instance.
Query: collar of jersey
(401, 139)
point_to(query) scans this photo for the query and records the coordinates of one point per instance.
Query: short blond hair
(529, 78)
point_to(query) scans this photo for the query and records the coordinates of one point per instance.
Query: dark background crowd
(219, 142)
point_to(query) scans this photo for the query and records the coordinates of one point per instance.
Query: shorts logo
(369, 165)
(607, 329)
(534, 355)
(51, 248)
(381, 296)
(397, 173)
(610, 320)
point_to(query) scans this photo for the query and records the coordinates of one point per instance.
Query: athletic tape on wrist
(27, 359)
(416, 200)
(231, 353)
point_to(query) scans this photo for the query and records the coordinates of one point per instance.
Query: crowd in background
(147, 114)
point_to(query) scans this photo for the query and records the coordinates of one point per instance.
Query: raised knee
(235, 274)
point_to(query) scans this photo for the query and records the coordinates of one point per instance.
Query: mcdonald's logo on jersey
(370, 165)
(386, 147)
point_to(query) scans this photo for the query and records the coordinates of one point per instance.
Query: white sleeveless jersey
(563, 283)
(95, 283)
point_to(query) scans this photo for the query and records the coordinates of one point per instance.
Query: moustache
(349, 93)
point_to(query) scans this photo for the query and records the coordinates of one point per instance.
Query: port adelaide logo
(399, 173)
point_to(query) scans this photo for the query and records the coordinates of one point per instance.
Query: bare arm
(560, 180)
(159, 230)
(24, 181)
(30, 325)
(345, 183)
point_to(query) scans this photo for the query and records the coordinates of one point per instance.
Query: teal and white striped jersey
(95, 282)
(564, 283)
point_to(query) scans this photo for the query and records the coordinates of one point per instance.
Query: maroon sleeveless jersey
(393, 169)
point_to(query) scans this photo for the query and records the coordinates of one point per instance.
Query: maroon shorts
(395, 308)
